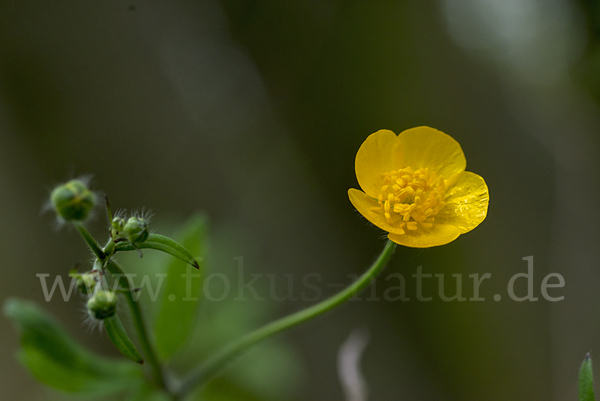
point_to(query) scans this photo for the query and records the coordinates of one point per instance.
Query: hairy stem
(109, 248)
(138, 321)
(91, 241)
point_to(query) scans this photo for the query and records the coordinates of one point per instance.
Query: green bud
(136, 230)
(73, 200)
(102, 304)
(116, 227)
(87, 282)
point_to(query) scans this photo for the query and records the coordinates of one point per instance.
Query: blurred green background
(253, 112)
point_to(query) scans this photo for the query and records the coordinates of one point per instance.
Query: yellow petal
(466, 202)
(363, 203)
(425, 147)
(376, 156)
(438, 234)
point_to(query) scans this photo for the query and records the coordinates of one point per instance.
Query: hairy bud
(73, 200)
(136, 230)
(102, 305)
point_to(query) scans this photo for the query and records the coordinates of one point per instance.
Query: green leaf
(586, 389)
(163, 244)
(56, 360)
(182, 291)
(146, 392)
(117, 334)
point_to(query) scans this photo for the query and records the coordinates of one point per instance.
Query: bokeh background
(253, 111)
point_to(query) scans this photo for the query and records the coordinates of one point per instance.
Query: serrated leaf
(164, 244)
(182, 294)
(56, 360)
(117, 334)
(586, 389)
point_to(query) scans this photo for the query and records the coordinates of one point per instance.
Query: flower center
(409, 199)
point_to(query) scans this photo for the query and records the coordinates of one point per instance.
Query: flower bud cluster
(73, 202)
(134, 229)
(101, 303)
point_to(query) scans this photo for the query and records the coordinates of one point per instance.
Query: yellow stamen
(413, 197)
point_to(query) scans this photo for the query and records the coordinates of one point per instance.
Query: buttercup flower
(416, 187)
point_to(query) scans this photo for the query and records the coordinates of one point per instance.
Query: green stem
(138, 321)
(109, 248)
(91, 241)
(209, 368)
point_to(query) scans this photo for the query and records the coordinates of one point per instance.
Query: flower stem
(138, 321)
(209, 368)
(109, 248)
(87, 237)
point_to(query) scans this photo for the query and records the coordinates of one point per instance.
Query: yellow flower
(416, 187)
